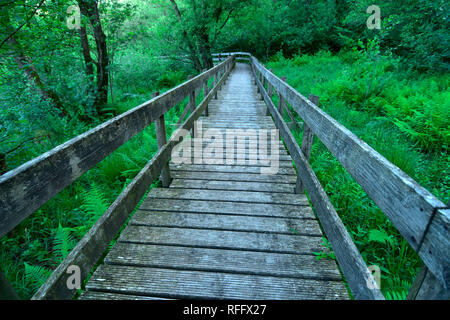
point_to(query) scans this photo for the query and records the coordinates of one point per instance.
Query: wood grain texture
(230, 261)
(290, 226)
(227, 207)
(181, 284)
(227, 195)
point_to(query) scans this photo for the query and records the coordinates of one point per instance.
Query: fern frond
(94, 203)
(36, 275)
(64, 242)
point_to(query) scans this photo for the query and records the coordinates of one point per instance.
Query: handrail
(422, 219)
(90, 248)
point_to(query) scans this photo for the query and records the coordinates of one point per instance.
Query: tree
(201, 23)
(89, 9)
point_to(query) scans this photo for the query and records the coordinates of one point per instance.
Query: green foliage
(368, 92)
(36, 275)
(64, 242)
(327, 253)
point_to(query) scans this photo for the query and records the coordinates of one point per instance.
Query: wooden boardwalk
(222, 231)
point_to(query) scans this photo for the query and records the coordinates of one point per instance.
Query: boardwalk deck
(222, 231)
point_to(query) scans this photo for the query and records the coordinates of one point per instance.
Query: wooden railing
(422, 219)
(26, 188)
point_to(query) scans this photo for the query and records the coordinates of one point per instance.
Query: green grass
(403, 115)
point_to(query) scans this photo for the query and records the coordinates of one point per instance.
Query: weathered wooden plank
(254, 241)
(239, 160)
(230, 169)
(232, 185)
(231, 261)
(95, 295)
(353, 266)
(226, 207)
(226, 195)
(245, 150)
(408, 205)
(226, 222)
(235, 177)
(26, 188)
(180, 284)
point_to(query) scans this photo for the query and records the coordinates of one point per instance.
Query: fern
(397, 289)
(36, 275)
(94, 204)
(64, 242)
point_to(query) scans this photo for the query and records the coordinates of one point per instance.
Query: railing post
(192, 104)
(307, 141)
(281, 102)
(263, 85)
(161, 138)
(205, 93)
(216, 80)
(269, 93)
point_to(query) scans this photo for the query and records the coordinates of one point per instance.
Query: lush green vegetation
(388, 86)
(403, 115)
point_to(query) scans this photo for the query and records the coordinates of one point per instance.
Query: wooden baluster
(161, 138)
(263, 85)
(270, 93)
(192, 104)
(216, 81)
(307, 141)
(281, 102)
(205, 93)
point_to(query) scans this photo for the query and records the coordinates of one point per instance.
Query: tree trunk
(193, 53)
(26, 64)
(205, 50)
(89, 9)
(88, 61)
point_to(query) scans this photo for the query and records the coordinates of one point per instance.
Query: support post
(281, 102)
(269, 93)
(161, 138)
(192, 104)
(205, 93)
(307, 141)
(216, 80)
